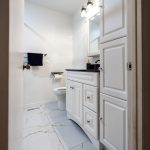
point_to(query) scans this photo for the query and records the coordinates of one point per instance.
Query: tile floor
(47, 128)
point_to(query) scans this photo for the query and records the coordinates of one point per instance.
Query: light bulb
(83, 12)
(89, 5)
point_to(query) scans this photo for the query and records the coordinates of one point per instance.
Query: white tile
(35, 118)
(43, 141)
(71, 134)
(41, 126)
(31, 131)
(84, 146)
(57, 116)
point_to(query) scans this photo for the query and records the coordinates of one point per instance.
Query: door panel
(113, 20)
(114, 68)
(113, 123)
(77, 102)
(69, 96)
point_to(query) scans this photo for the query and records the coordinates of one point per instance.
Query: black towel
(35, 59)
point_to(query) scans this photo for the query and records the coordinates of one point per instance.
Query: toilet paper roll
(57, 77)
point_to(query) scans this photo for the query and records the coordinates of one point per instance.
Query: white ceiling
(65, 6)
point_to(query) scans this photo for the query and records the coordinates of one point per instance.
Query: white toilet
(61, 97)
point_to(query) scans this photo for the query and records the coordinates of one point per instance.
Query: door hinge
(129, 66)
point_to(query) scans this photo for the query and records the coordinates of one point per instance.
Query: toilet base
(61, 104)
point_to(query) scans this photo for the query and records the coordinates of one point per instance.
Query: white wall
(50, 32)
(15, 74)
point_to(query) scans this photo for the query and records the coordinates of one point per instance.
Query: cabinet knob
(100, 68)
(88, 121)
(88, 97)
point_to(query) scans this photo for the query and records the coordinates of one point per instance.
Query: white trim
(37, 104)
(139, 74)
(132, 99)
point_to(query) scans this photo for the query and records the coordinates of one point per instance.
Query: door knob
(100, 118)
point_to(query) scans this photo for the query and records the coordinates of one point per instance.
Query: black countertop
(82, 70)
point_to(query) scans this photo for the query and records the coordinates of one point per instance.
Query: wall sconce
(83, 11)
(91, 8)
(89, 5)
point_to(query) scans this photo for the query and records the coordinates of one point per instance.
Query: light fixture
(90, 9)
(89, 5)
(83, 11)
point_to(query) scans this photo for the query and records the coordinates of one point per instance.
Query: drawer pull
(88, 97)
(72, 87)
(88, 121)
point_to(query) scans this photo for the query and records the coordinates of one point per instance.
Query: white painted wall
(16, 74)
(50, 32)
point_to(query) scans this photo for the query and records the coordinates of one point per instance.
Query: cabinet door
(77, 102)
(113, 75)
(113, 20)
(113, 123)
(69, 97)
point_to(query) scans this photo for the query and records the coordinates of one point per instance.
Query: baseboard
(37, 104)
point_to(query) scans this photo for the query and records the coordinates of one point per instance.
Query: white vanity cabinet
(113, 78)
(74, 100)
(82, 103)
(113, 19)
(113, 123)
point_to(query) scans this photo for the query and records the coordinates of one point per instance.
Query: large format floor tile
(47, 128)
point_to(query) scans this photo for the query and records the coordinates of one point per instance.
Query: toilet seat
(60, 90)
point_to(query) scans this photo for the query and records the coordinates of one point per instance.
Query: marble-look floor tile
(71, 134)
(35, 118)
(43, 141)
(84, 146)
(57, 116)
(48, 128)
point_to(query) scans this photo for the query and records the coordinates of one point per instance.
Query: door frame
(134, 75)
(139, 76)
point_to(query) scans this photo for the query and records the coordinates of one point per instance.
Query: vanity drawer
(91, 78)
(91, 97)
(91, 122)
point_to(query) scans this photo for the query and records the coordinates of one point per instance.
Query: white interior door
(113, 20)
(113, 123)
(113, 75)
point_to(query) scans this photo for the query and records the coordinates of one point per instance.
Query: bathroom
(75, 96)
(53, 30)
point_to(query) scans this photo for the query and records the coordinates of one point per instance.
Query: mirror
(94, 35)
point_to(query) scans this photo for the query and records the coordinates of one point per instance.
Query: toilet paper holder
(55, 73)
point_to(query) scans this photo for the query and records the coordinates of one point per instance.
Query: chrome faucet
(97, 61)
